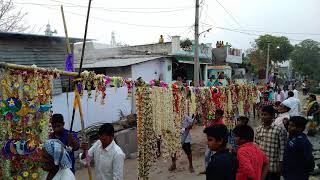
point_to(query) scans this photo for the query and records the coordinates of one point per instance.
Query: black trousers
(273, 176)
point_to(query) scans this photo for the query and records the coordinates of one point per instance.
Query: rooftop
(119, 62)
(37, 36)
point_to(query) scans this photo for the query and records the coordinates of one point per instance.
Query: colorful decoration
(146, 137)
(25, 102)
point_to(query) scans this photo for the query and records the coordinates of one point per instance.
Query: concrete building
(164, 61)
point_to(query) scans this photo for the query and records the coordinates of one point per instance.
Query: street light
(268, 57)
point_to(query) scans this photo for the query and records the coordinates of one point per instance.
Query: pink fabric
(251, 159)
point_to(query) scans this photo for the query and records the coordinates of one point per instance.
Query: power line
(225, 9)
(120, 22)
(110, 9)
(254, 34)
(279, 32)
(251, 34)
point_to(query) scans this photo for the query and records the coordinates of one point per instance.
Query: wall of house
(94, 112)
(44, 52)
(124, 71)
(92, 54)
(166, 70)
(148, 70)
(223, 55)
(163, 49)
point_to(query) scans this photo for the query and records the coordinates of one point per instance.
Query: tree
(257, 59)
(306, 58)
(280, 47)
(11, 18)
(186, 45)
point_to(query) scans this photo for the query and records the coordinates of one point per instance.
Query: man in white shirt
(279, 96)
(107, 155)
(296, 93)
(283, 116)
(294, 104)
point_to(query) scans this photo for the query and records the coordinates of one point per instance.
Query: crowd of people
(277, 147)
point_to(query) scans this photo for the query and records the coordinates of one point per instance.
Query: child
(253, 163)
(70, 140)
(107, 155)
(271, 139)
(242, 120)
(298, 160)
(217, 120)
(186, 143)
(265, 101)
(223, 164)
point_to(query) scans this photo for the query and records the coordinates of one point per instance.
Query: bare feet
(172, 168)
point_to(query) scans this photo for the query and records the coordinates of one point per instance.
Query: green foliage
(306, 58)
(257, 59)
(186, 45)
(280, 50)
(280, 47)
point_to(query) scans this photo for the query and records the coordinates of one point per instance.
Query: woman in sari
(56, 161)
(313, 112)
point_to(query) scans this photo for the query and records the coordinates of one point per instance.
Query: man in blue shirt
(70, 140)
(298, 161)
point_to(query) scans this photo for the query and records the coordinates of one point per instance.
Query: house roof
(119, 62)
(219, 67)
(190, 60)
(38, 36)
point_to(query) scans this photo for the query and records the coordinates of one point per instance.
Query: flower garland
(24, 115)
(193, 103)
(171, 135)
(240, 101)
(145, 135)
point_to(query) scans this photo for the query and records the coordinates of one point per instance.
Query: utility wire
(279, 32)
(250, 32)
(112, 10)
(120, 22)
(225, 9)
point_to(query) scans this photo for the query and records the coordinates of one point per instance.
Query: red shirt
(251, 159)
(214, 122)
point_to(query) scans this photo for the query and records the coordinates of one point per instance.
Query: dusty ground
(160, 168)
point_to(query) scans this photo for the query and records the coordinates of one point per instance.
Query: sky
(135, 22)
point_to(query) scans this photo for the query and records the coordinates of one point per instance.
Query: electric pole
(268, 57)
(196, 49)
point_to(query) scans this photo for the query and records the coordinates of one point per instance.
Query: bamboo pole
(35, 68)
(65, 31)
(77, 96)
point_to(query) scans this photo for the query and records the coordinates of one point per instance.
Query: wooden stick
(65, 31)
(39, 69)
(84, 138)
